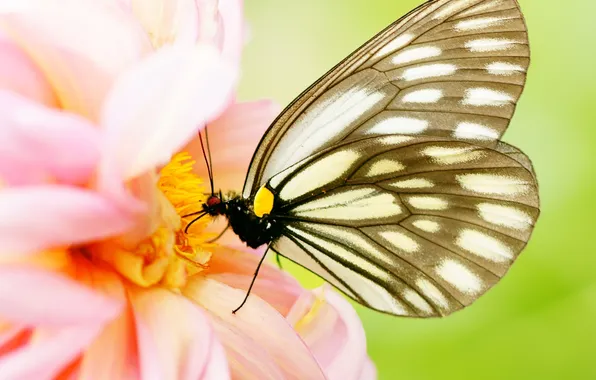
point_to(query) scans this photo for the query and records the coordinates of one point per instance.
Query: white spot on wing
(397, 43)
(398, 125)
(452, 155)
(504, 68)
(379, 206)
(333, 166)
(478, 23)
(427, 225)
(489, 44)
(487, 97)
(484, 246)
(334, 199)
(418, 302)
(433, 293)
(400, 241)
(474, 131)
(428, 203)
(429, 71)
(416, 54)
(428, 95)
(384, 166)
(505, 216)
(414, 183)
(460, 277)
(493, 184)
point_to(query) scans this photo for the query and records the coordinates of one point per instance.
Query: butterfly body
(250, 228)
(388, 177)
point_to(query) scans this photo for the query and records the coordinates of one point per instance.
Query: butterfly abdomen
(251, 229)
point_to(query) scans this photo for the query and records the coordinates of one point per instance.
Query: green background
(540, 321)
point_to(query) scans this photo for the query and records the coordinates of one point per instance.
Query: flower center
(169, 255)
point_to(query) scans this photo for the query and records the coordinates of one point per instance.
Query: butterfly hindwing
(409, 225)
(453, 66)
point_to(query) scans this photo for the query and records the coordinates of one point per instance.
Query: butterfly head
(215, 205)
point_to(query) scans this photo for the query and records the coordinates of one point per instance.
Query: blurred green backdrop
(540, 321)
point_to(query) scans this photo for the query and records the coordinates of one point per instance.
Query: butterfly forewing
(453, 66)
(422, 228)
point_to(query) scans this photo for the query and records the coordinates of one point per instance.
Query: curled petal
(48, 352)
(35, 218)
(331, 328)
(233, 138)
(80, 45)
(41, 144)
(175, 338)
(158, 106)
(34, 297)
(278, 339)
(19, 74)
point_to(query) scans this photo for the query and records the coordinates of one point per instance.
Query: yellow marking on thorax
(263, 203)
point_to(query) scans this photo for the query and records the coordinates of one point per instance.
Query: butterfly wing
(451, 66)
(390, 177)
(409, 225)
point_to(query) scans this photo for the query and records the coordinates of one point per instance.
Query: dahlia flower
(100, 101)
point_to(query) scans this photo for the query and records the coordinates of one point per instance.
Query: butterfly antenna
(210, 160)
(251, 284)
(201, 214)
(207, 162)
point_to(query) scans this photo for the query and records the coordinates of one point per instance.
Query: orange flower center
(169, 255)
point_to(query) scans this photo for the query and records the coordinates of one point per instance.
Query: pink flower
(97, 277)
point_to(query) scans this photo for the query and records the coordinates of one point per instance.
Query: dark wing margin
(455, 67)
(416, 226)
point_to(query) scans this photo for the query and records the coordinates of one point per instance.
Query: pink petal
(19, 74)
(236, 269)
(233, 28)
(80, 45)
(41, 144)
(260, 323)
(36, 218)
(245, 355)
(369, 372)
(215, 370)
(332, 330)
(156, 108)
(233, 138)
(175, 338)
(49, 353)
(34, 297)
(168, 21)
(113, 355)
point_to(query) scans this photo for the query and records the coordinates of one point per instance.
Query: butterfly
(387, 177)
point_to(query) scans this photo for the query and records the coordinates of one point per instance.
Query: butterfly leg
(251, 283)
(278, 260)
(220, 234)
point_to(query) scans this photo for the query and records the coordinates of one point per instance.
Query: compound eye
(213, 201)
